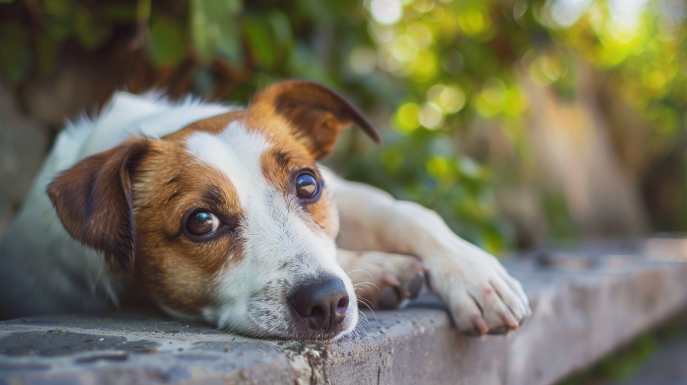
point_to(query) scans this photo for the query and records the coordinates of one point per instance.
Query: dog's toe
(483, 312)
(416, 284)
(386, 281)
(388, 300)
(482, 297)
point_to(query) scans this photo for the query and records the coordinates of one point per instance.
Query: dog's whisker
(364, 285)
(342, 263)
(361, 271)
(367, 285)
(365, 302)
(364, 316)
(358, 331)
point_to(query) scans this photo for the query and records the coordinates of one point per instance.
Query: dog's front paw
(482, 297)
(385, 281)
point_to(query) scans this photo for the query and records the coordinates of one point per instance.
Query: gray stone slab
(583, 308)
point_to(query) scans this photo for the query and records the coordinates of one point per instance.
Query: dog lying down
(222, 214)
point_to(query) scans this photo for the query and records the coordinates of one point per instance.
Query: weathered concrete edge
(582, 317)
(578, 317)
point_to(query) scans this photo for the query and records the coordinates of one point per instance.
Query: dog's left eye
(307, 187)
(202, 222)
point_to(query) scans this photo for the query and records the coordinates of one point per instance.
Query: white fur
(274, 232)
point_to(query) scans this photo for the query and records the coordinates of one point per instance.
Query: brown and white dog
(223, 214)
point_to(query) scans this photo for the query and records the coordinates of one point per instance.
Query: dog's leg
(481, 295)
(382, 280)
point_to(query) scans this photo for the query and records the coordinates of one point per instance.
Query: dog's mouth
(317, 309)
(299, 328)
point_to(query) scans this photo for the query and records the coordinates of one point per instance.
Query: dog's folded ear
(316, 114)
(94, 201)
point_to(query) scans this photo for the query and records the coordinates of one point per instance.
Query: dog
(222, 213)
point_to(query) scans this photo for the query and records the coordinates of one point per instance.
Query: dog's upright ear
(94, 201)
(316, 115)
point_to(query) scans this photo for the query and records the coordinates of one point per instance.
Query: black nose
(323, 302)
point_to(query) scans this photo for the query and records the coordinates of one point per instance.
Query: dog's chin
(302, 330)
(298, 329)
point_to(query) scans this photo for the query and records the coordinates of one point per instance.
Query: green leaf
(91, 33)
(318, 11)
(281, 27)
(304, 63)
(118, 13)
(143, 11)
(166, 45)
(15, 52)
(260, 41)
(228, 45)
(199, 30)
(59, 18)
(48, 51)
(215, 30)
(61, 9)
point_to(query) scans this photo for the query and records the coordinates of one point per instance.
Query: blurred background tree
(519, 121)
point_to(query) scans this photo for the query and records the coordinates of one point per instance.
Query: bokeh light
(386, 11)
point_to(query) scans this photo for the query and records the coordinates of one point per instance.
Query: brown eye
(306, 186)
(202, 222)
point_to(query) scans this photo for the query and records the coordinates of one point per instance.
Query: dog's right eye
(202, 223)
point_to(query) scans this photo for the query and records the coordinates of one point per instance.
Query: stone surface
(584, 306)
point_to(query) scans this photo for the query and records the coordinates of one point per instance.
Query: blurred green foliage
(430, 68)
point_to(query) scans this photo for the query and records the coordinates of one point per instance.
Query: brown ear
(315, 113)
(94, 202)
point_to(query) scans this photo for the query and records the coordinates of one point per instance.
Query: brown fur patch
(213, 125)
(173, 269)
(311, 114)
(93, 200)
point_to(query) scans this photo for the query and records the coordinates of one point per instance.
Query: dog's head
(228, 218)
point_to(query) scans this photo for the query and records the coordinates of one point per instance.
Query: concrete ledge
(584, 306)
